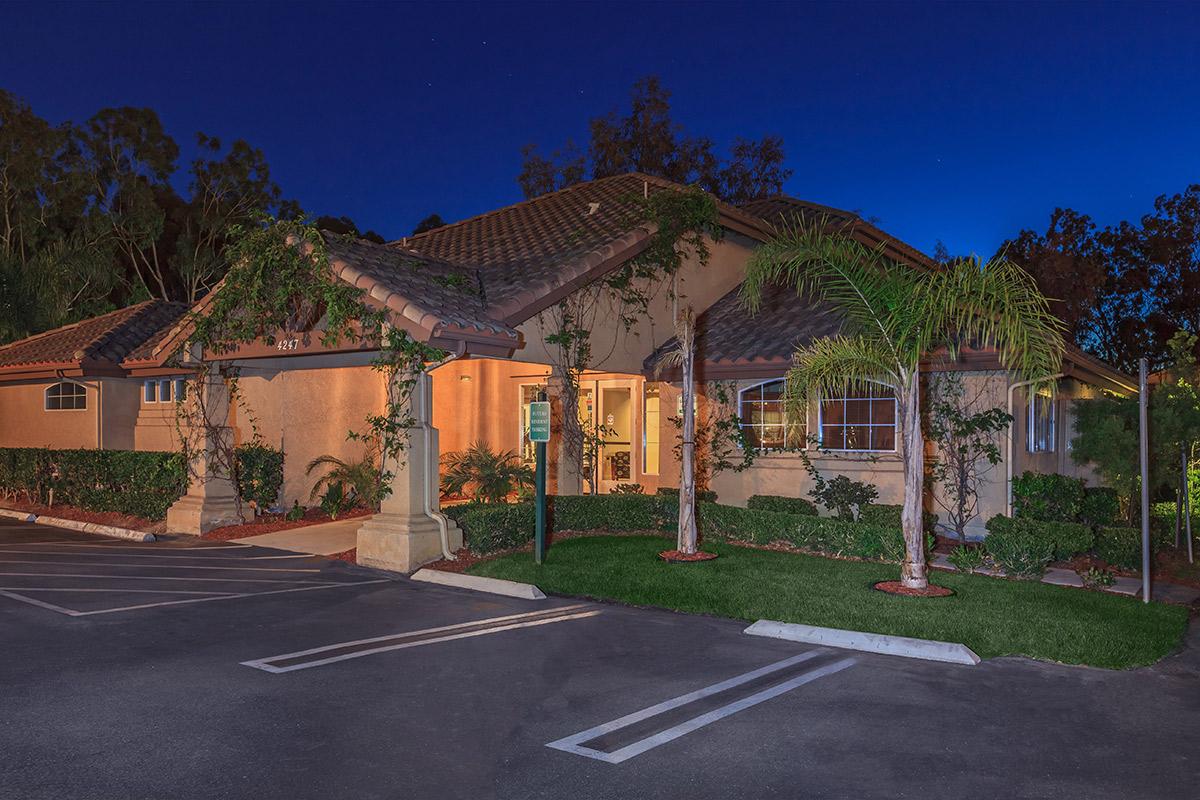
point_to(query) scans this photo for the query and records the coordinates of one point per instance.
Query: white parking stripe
(156, 578)
(573, 743)
(117, 545)
(155, 555)
(110, 591)
(496, 625)
(94, 563)
(39, 603)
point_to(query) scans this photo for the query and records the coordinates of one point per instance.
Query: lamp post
(1143, 442)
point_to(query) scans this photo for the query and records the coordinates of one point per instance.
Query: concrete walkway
(325, 539)
(1160, 590)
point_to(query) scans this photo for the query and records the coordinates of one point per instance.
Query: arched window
(864, 420)
(66, 396)
(764, 418)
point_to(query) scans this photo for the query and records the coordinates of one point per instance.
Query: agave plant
(360, 477)
(484, 474)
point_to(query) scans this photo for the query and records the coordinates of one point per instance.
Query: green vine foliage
(721, 442)
(280, 279)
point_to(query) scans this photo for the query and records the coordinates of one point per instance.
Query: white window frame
(179, 388)
(645, 443)
(783, 408)
(77, 390)
(148, 385)
(1033, 443)
(821, 401)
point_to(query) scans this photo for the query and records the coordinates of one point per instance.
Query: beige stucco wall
(617, 350)
(25, 422)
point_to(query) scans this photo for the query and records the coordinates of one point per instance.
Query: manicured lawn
(993, 617)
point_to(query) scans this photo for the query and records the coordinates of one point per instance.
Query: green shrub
(1120, 547)
(1099, 507)
(842, 495)
(1066, 539)
(786, 505)
(613, 512)
(628, 488)
(967, 559)
(490, 527)
(1047, 497)
(140, 483)
(1021, 551)
(259, 474)
(889, 516)
(701, 497)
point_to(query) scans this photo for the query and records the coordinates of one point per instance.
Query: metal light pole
(1143, 403)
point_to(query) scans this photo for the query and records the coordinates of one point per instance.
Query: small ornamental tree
(894, 315)
(967, 447)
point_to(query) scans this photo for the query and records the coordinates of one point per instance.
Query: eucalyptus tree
(896, 315)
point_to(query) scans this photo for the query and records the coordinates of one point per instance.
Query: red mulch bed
(269, 523)
(113, 518)
(680, 557)
(349, 556)
(896, 587)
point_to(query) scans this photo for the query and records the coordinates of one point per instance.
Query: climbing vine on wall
(681, 223)
(280, 280)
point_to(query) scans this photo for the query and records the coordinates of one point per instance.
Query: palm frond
(837, 365)
(993, 305)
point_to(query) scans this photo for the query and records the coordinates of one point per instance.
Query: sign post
(539, 434)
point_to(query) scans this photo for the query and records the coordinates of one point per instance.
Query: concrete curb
(525, 591)
(82, 527)
(949, 652)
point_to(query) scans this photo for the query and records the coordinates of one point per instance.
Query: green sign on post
(539, 421)
(539, 434)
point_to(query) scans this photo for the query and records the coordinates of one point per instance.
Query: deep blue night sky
(959, 122)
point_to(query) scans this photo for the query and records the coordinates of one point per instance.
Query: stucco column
(211, 500)
(566, 467)
(407, 532)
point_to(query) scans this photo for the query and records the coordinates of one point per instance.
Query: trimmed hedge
(488, 528)
(1047, 496)
(1100, 506)
(1019, 550)
(142, 483)
(701, 496)
(786, 505)
(889, 515)
(1066, 539)
(259, 474)
(1120, 547)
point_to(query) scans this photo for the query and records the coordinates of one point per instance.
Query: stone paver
(1062, 577)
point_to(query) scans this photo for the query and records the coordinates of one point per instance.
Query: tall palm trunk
(686, 542)
(912, 572)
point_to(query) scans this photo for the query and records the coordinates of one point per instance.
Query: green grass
(991, 616)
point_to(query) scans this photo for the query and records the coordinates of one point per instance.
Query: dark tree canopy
(1124, 290)
(432, 222)
(648, 140)
(344, 226)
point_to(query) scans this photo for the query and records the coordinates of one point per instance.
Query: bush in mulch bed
(269, 523)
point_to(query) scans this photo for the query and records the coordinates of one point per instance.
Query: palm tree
(491, 476)
(361, 477)
(895, 315)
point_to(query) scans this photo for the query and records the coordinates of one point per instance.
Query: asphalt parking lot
(296, 677)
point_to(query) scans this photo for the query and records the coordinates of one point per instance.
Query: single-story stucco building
(484, 290)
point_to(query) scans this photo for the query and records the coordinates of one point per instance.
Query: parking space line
(228, 597)
(156, 555)
(401, 641)
(119, 545)
(110, 591)
(574, 743)
(92, 563)
(39, 603)
(158, 578)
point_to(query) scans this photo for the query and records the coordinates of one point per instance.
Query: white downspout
(1008, 462)
(432, 466)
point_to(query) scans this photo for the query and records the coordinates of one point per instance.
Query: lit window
(1042, 425)
(763, 413)
(66, 396)
(150, 391)
(863, 421)
(650, 430)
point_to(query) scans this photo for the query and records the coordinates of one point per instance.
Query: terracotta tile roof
(99, 342)
(527, 251)
(429, 293)
(730, 338)
(782, 209)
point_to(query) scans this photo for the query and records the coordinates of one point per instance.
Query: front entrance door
(615, 421)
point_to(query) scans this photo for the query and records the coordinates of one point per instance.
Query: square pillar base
(198, 515)
(402, 543)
